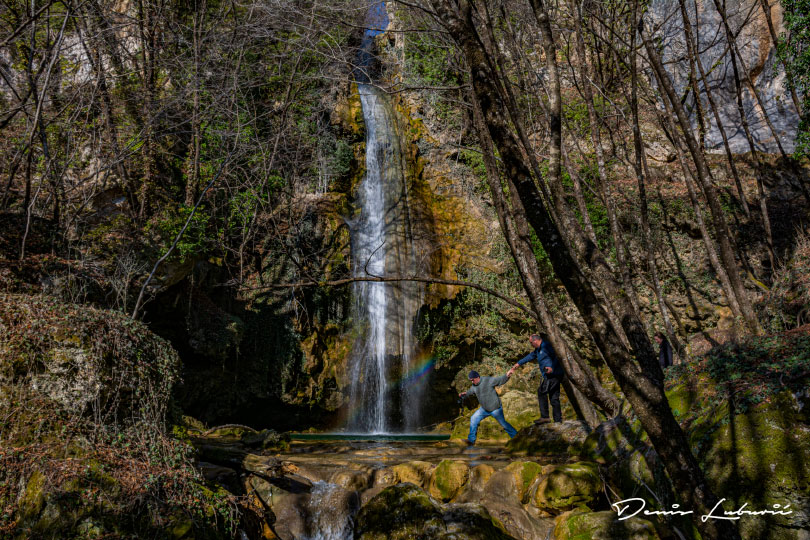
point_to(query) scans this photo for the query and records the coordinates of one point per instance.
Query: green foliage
(342, 159)
(475, 161)
(753, 370)
(428, 61)
(167, 225)
(787, 304)
(794, 50)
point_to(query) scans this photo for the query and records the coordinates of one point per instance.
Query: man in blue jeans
(484, 389)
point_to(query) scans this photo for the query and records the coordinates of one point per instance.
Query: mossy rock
(405, 512)
(525, 473)
(348, 114)
(414, 472)
(760, 458)
(33, 498)
(399, 512)
(83, 360)
(568, 486)
(756, 457)
(566, 437)
(92, 505)
(448, 479)
(267, 439)
(579, 525)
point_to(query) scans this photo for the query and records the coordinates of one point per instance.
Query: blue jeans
(480, 414)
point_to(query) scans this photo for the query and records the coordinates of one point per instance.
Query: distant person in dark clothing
(552, 371)
(664, 350)
(484, 389)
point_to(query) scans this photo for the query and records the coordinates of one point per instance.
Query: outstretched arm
(529, 357)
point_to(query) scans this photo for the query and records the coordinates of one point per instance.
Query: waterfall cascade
(381, 402)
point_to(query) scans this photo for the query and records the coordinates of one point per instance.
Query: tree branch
(349, 281)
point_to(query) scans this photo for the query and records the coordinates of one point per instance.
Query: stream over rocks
(335, 490)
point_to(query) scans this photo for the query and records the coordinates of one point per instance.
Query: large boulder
(404, 511)
(753, 454)
(83, 361)
(568, 486)
(582, 525)
(553, 438)
(448, 479)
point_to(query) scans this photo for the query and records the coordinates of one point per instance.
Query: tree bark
(516, 231)
(636, 370)
(719, 223)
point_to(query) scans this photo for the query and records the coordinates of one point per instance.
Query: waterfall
(380, 401)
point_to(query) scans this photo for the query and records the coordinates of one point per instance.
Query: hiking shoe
(469, 442)
(541, 421)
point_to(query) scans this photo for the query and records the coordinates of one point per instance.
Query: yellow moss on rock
(448, 479)
(414, 472)
(525, 473)
(567, 486)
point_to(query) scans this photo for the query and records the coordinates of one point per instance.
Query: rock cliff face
(757, 59)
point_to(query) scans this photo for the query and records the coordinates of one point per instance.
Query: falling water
(328, 517)
(382, 247)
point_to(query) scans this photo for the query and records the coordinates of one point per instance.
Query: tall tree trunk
(713, 106)
(636, 370)
(722, 233)
(596, 139)
(640, 166)
(580, 198)
(711, 249)
(763, 205)
(516, 231)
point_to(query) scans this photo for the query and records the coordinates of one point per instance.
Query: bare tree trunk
(596, 139)
(193, 182)
(516, 232)
(718, 218)
(715, 110)
(642, 173)
(636, 370)
(578, 195)
(733, 52)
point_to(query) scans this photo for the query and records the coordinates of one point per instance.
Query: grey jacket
(485, 392)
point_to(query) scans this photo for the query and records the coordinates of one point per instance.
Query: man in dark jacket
(664, 350)
(552, 370)
(484, 389)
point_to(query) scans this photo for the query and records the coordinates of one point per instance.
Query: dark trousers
(551, 394)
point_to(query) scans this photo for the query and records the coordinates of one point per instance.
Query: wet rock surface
(346, 489)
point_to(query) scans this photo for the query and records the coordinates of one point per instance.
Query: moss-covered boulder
(413, 472)
(751, 441)
(399, 512)
(760, 458)
(92, 505)
(568, 486)
(448, 478)
(553, 438)
(404, 511)
(583, 525)
(84, 360)
(525, 473)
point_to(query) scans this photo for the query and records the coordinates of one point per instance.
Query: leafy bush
(794, 50)
(787, 304)
(753, 370)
